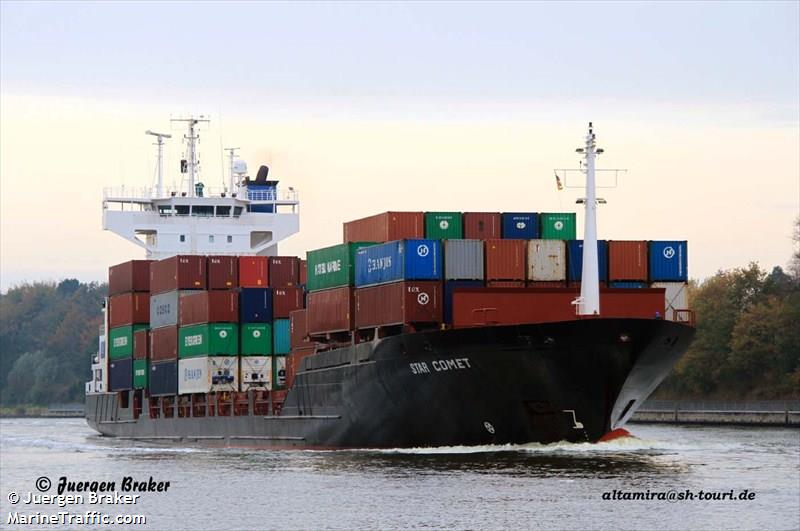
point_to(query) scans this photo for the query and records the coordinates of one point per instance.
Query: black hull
(572, 381)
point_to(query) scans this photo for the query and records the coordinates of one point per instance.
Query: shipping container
(120, 341)
(286, 300)
(133, 275)
(334, 266)
(219, 306)
(255, 305)
(165, 308)
(505, 284)
(281, 336)
(547, 260)
(163, 378)
(303, 272)
(164, 343)
(410, 302)
(575, 260)
(443, 225)
(330, 311)
(120, 374)
(140, 371)
(520, 225)
(284, 271)
(213, 339)
(178, 272)
(223, 272)
(546, 284)
(557, 226)
(294, 363)
(450, 287)
(128, 308)
(279, 372)
(298, 329)
(399, 260)
(385, 227)
(256, 373)
(628, 284)
(482, 225)
(208, 374)
(676, 298)
(141, 344)
(463, 259)
(668, 261)
(253, 272)
(256, 339)
(505, 259)
(627, 260)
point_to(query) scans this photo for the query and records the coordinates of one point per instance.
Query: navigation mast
(159, 161)
(589, 302)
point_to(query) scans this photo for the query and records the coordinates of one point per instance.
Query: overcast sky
(406, 106)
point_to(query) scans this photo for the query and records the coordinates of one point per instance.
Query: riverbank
(52, 411)
(757, 413)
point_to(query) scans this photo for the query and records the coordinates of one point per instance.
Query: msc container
(128, 308)
(281, 337)
(520, 225)
(676, 298)
(164, 343)
(279, 372)
(399, 303)
(255, 373)
(256, 339)
(285, 301)
(284, 271)
(253, 272)
(209, 307)
(120, 341)
(298, 329)
(208, 374)
(399, 260)
(557, 226)
(330, 311)
(163, 378)
(213, 339)
(294, 361)
(133, 275)
(165, 308)
(140, 374)
(255, 305)
(223, 272)
(575, 260)
(505, 284)
(178, 272)
(505, 259)
(628, 285)
(668, 261)
(120, 374)
(463, 259)
(141, 345)
(482, 225)
(333, 266)
(450, 287)
(547, 260)
(443, 225)
(385, 227)
(627, 260)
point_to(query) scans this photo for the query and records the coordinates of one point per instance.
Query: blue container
(163, 378)
(575, 260)
(255, 305)
(520, 225)
(120, 374)
(668, 262)
(281, 336)
(449, 287)
(628, 285)
(399, 260)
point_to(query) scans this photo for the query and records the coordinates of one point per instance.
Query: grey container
(164, 308)
(463, 259)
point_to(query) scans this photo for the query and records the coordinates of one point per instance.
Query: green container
(443, 226)
(140, 374)
(120, 341)
(333, 266)
(256, 339)
(213, 339)
(557, 226)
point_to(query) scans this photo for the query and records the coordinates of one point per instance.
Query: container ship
(418, 329)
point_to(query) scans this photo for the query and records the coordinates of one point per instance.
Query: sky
(367, 107)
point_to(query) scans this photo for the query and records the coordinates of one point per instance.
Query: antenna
(190, 164)
(160, 160)
(232, 157)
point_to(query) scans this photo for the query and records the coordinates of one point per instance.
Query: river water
(558, 486)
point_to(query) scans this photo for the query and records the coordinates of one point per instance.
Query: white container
(207, 374)
(279, 372)
(256, 372)
(547, 260)
(677, 298)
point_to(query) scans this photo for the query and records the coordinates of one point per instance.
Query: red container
(505, 284)
(293, 363)
(164, 343)
(330, 311)
(627, 260)
(223, 272)
(482, 307)
(128, 308)
(209, 307)
(385, 227)
(298, 330)
(303, 272)
(141, 344)
(284, 271)
(505, 259)
(253, 272)
(481, 225)
(178, 272)
(399, 303)
(285, 301)
(133, 275)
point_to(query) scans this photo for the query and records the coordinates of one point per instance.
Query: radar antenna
(189, 165)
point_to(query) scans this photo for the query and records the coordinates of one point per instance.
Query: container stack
(287, 296)
(668, 270)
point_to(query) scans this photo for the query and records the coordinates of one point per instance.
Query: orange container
(505, 259)
(253, 271)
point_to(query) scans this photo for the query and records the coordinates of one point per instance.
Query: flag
(558, 182)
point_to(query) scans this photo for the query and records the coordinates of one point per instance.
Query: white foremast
(589, 302)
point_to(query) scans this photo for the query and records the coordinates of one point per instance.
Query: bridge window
(230, 239)
(237, 211)
(202, 210)
(183, 238)
(223, 211)
(182, 210)
(165, 210)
